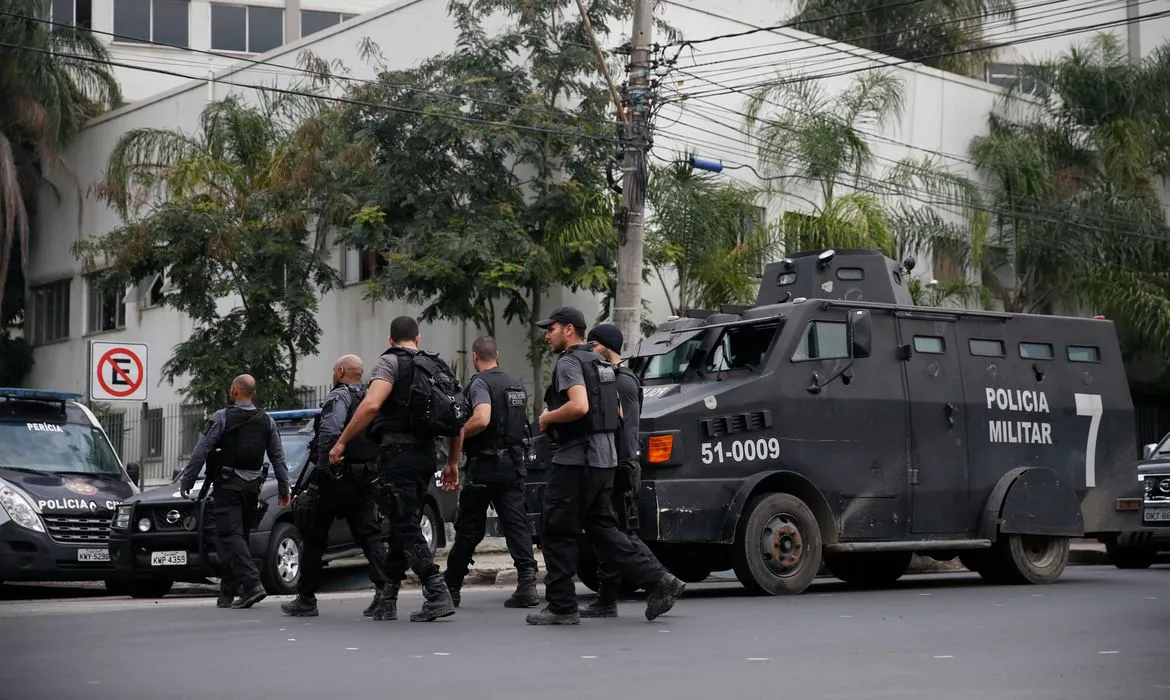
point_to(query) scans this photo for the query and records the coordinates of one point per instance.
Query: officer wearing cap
(581, 418)
(606, 339)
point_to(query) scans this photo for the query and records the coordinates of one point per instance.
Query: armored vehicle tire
(1130, 557)
(777, 545)
(148, 587)
(1037, 559)
(281, 570)
(869, 569)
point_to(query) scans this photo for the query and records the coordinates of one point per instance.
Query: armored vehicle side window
(743, 347)
(1036, 351)
(822, 340)
(673, 364)
(986, 348)
(1083, 353)
(850, 274)
(929, 344)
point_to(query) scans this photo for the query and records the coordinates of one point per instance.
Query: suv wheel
(430, 523)
(282, 566)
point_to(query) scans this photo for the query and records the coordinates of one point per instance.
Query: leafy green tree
(51, 80)
(248, 198)
(490, 187)
(815, 148)
(704, 233)
(1075, 191)
(950, 35)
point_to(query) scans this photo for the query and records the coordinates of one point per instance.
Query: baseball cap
(608, 335)
(564, 314)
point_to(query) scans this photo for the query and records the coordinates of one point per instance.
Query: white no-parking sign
(117, 371)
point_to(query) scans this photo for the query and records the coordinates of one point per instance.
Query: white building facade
(943, 113)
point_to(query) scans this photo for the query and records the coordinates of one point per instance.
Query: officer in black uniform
(406, 464)
(606, 340)
(582, 413)
(233, 446)
(347, 490)
(493, 439)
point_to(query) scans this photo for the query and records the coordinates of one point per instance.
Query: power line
(326, 98)
(295, 70)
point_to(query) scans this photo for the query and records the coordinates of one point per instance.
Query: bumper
(182, 556)
(26, 555)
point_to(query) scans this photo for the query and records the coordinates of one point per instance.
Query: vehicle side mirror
(1148, 450)
(859, 333)
(135, 473)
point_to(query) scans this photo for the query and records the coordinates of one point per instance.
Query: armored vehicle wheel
(1130, 557)
(777, 545)
(869, 569)
(281, 569)
(1038, 559)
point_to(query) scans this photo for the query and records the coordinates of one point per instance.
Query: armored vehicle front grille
(735, 423)
(79, 529)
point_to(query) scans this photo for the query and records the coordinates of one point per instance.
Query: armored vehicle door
(938, 459)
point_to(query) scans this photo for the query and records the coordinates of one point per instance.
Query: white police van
(60, 484)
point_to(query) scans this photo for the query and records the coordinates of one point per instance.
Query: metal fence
(161, 438)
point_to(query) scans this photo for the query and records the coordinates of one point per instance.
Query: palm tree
(1077, 218)
(945, 34)
(52, 79)
(703, 231)
(815, 148)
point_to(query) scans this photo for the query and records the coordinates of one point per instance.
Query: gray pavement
(1097, 634)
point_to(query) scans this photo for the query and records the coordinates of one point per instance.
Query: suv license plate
(168, 558)
(93, 555)
(1156, 515)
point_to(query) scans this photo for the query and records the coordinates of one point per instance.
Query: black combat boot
(301, 606)
(662, 598)
(548, 617)
(525, 595)
(453, 585)
(386, 607)
(379, 593)
(438, 600)
(605, 604)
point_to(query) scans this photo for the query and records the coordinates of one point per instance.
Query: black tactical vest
(392, 423)
(509, 421)
(244, 440)
(361, 449)
(601, 389)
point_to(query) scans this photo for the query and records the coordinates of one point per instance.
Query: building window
(79, 13)
(152, 290)
(1013, 75)
(152, 21)
(246, 28)
(50, 307)
(107, 306)
(360, 265)
(313, 21)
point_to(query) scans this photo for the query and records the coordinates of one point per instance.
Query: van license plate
(168, 558)
(93, 555)
(1156, 515)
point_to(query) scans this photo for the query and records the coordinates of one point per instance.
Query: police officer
(606, 340)
(406, 464)
(493, 439)
(582, 413)
(233, 446)
(347, 490)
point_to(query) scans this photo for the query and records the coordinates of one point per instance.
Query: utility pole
(627, 312)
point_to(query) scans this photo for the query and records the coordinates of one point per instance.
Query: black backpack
(436, 402)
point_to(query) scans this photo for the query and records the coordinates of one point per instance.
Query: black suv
(154, 534)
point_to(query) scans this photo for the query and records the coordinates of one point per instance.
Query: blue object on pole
(704, 164)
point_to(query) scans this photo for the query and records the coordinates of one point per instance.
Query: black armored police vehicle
(60, 483)
(834, 422)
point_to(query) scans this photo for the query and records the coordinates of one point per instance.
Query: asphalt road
(1098, 634)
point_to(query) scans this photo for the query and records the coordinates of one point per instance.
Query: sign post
(117, 371)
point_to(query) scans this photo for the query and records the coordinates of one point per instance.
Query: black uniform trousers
(625, 507)
(352, 497)
(580, 498)
(234, 502)
(404, 471)
(507, 497)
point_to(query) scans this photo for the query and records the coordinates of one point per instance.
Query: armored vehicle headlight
(1164, 486)
(19, 507)
(144, 525)
(122, 518)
